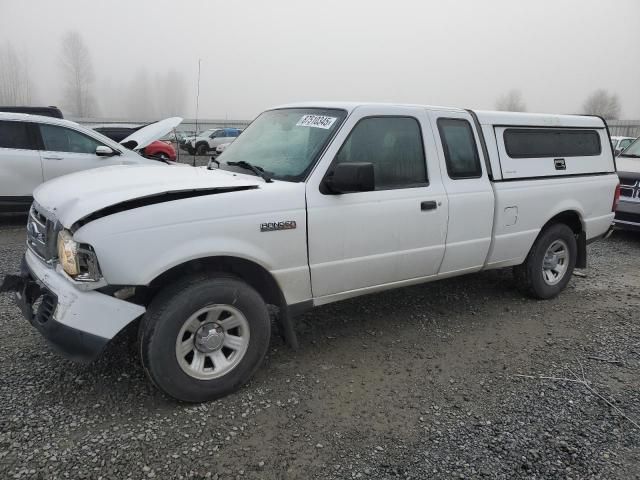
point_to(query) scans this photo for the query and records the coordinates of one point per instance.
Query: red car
(158, 149)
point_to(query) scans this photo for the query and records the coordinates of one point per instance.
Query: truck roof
(485, 117)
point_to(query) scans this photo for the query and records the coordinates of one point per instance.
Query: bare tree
(602, 103)
(79, 76)
(511, 102)
(15, 84)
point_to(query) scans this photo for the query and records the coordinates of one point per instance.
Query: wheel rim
(555, 262)
(212, 341)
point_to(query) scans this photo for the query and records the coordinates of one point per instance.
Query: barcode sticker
(316, 121)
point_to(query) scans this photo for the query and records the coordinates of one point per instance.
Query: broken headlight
(78, 260)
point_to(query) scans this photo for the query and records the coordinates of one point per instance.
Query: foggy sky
(256, 54)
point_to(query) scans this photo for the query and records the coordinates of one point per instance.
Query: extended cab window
(459, 145)
(62, 139)
(15, 135)
(393, 145)
(551, 142)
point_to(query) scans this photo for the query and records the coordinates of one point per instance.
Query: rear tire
(204, 337)
(549, 265)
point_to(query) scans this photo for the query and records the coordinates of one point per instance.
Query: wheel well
(571, 218)
(200, 143)
(252, 273)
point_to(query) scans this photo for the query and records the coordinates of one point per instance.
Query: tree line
(165, 94)
(144, 97)
(600, 102)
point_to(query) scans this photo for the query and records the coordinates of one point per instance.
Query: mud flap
(581, 258)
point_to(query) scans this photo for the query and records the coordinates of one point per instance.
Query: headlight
(78, 260)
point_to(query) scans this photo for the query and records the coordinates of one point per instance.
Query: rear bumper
(77, 323)
(628, 215)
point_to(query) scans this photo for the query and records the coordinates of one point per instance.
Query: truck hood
(152, 132)
(75, 197)
(628, 165)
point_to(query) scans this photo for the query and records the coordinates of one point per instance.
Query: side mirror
(351, 177)
(104, 151)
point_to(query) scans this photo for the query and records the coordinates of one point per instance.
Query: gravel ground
(414, 383)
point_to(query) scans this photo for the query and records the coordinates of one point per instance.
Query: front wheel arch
(252, 273)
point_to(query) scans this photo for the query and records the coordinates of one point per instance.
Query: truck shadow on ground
(425, 308)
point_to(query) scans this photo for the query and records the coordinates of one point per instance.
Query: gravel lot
(414, 383)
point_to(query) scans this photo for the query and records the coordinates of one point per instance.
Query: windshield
(632, 150)
(284, 143)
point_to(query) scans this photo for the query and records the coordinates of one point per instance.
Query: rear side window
(62, 139)
(393, 145)
(15, 135)
(551, 142)
(460, 151)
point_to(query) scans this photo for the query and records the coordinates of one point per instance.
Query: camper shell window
(551, 142)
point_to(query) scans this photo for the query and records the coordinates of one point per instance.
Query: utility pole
(197, 108)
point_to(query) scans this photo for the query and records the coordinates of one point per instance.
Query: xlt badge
(273, 226)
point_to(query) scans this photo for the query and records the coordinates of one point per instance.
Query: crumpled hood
(73, 197)
(628, 165)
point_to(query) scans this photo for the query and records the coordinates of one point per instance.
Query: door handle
(52, 158)
(428, 205)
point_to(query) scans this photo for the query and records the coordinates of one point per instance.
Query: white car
(35, 149)
(211, 139)
(222, 147)
(620, 143)
(312, 204)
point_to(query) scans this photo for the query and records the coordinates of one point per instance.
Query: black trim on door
(547, 177)
(483, 143)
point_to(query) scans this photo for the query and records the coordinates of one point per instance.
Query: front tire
(204, 337)
(202, 149)
(550, 263)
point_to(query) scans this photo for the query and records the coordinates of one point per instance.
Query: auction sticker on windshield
(316, 121)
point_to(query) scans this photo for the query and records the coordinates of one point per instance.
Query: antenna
(197, 108)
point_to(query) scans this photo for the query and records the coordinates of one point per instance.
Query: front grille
(628, 217)
(41, 235)
(46, 307)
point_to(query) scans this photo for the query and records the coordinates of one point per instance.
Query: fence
(188, 125)
(624, 128)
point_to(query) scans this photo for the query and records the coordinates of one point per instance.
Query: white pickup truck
(312, 204)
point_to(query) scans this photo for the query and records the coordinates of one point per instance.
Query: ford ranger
(313, 203)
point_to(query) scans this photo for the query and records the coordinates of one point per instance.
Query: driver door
(65, 150)
(367, 241)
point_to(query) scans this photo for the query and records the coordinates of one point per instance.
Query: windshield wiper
(259, 171)
(632, 155)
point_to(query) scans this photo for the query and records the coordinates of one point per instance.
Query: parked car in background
(222, 147)
(185, 143)
(620, 143)
(312, 204)
(628, 166)
(211, 139)
(35, 149)
(183, 138)
(157, 149)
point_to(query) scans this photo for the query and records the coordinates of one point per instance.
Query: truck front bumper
(77, 323)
